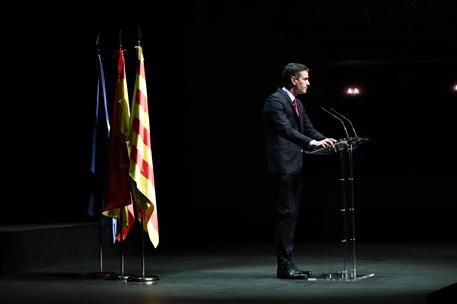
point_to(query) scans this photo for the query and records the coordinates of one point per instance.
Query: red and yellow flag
(117, 197)
(141, 168)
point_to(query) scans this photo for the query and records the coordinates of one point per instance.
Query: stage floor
(403, 273)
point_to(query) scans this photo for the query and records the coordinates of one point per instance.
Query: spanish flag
(117, 196)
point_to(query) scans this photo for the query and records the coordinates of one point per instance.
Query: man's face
(301, 83)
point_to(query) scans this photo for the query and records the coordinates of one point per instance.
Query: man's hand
(326, 142)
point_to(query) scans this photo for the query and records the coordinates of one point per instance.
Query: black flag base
(143, 279)
(117, 277)
(101, 275)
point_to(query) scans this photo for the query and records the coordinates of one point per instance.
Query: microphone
(342, 122)
(345, 118)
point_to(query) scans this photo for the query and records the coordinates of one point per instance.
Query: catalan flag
(141, 167)
(117, 196)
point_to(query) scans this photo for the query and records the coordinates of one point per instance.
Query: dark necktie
(296, 107)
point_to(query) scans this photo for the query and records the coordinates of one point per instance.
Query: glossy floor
(403, 273)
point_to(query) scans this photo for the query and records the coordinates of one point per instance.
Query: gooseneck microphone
(347, 119)
(342, 122)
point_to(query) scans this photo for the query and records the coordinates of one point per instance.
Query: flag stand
(121, 276)
(101, 92)
(100, 274)
(142, 278)
(146, 194)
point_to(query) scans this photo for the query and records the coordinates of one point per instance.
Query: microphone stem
(345, 130)
(345, 118)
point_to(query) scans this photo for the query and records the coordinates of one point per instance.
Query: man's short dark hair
(291, 69)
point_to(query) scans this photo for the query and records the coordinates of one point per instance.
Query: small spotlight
(353, 91)
(455, 88)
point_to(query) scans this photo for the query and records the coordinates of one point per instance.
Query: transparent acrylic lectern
(345, 148)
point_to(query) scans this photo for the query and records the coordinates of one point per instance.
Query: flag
(117, 195)
(99, 135)
(141, 167)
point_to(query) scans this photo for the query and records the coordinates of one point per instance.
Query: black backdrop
(209, 68)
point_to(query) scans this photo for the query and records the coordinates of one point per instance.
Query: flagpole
(100, 246)
(100, 274)
(142, 278)
(144, 210)
(122, 275)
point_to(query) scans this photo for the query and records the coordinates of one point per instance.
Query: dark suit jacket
(286, 135)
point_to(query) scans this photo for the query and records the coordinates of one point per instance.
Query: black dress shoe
(307, 273)
(298, 269)
(290, 273)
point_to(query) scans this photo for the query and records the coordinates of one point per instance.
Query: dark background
(209, 67)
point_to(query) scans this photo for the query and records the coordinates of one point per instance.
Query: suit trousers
(287, 194)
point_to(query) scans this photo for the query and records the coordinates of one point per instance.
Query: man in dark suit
(288, 131)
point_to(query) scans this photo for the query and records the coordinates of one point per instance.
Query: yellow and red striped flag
(141, 167)
(117, 196)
